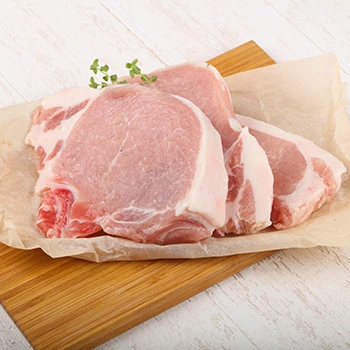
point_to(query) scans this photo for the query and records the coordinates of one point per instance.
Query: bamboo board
(73, 304)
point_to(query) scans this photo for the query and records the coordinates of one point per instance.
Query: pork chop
(204, 86)
(130, 160)
(250, 187)
(305, 176)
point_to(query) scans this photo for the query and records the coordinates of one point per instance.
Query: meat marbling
(305, 176)
(130, 160)
(204, 86)
(250, 187)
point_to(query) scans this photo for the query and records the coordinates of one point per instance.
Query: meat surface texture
(305, 176)
(203, 85)
(248, 207)
(250, 187)
(130, 160)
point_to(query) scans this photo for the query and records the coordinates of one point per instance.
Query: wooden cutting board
(73, 304)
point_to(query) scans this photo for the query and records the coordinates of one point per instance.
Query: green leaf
(93, 83)
(93, 68)
(114, 78)
(94, 86)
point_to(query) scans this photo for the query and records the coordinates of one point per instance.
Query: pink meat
(305, 176)
(203, 85)
(250, 187)
(132, 161)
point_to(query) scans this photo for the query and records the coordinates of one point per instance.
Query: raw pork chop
(250, 187)
(203, 85)
(248, 207)
(130, 160)
(305, 175)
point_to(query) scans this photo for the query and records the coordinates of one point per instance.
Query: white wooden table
(296, 299)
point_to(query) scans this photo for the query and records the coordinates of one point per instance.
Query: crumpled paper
(304, 97)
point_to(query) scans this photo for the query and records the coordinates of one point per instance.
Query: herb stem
(134, 70)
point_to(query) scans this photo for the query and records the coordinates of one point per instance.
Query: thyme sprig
(110, 79)
(134, 69)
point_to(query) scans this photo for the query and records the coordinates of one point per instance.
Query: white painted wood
(294, 299)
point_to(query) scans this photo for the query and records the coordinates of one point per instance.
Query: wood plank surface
(73, 304)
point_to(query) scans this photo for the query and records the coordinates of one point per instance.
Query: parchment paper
(304, 97)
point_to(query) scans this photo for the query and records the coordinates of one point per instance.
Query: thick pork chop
(203, 85)
(130, 160)
(250, 187)
(248, 207)
(305, 176)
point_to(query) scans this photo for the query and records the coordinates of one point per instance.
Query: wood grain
(246, 57)
(73, 304)
(297, 298)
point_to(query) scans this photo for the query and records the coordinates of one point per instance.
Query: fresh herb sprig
(108, 79)
(134, 69)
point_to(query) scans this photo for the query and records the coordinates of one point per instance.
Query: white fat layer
(208, 192)
(258, 171)
(306, 147)
(234, 124)
(38, 137)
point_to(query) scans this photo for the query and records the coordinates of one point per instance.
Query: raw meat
(250, 187)
(130, 160)
(248, 207)
(305, 176)
(203, 85)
